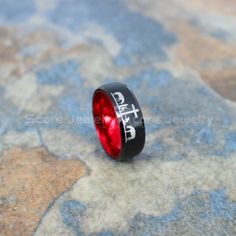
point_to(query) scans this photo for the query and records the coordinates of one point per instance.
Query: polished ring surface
(118, 121)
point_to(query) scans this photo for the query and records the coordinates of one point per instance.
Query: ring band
(118, 121)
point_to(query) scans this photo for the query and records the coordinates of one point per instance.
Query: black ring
(118, 121)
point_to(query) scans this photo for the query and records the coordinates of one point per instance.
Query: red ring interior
(107, 124)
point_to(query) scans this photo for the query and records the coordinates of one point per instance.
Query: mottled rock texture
(178, 56)
(30, 181)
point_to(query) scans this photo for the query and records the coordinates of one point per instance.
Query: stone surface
(30, 180)
(178, 56)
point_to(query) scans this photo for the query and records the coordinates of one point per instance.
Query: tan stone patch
(198, 50)
(223, 81)
(29, 181)
(42, 45)
(220, 6)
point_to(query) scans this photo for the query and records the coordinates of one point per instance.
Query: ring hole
(107, 124)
